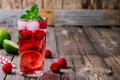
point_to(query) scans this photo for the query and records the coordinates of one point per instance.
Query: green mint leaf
(29, 12)
(34, 7)
(32, 14)
(39, 18)
(25, 16)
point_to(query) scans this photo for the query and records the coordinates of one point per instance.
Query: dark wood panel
(87, 17)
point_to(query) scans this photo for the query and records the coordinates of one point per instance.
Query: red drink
(32, 42)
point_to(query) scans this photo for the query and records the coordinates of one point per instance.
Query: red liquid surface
(32, 45)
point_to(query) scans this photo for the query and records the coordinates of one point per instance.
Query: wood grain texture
(95, 4)
(110, 4)
(72, 4)
(94, 64)
(52, 4)
(87, 17)
(105, 47)
(11, 4)
(27, 4)
(9, 17)
(61, 4)
(92, 53)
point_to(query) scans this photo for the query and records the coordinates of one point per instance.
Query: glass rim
(44, 18)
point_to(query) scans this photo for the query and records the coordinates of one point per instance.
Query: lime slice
(31, 59)
(9, 46)
(4, 35)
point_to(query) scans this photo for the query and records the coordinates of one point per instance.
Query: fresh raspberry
(7, 68)
(48, 53)
(62, 62)
(43, 24)
(29, 47)
(26, 34)
(39, 34)
(55, 67)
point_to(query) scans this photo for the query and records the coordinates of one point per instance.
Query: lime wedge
(4, 35)
(10, 46)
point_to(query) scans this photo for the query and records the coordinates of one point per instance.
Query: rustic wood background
(61, 4)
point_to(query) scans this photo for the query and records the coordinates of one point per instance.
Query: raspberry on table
(7, 68)
(48, 53)
(62, 62)
(55, 67)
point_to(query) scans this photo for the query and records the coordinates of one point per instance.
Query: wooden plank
(116, 30)
(69, 17)
(112, 43)
(27, 4)
(115, 66)
(11, 4)
(67, 48)
(95, 4)
(72, 4)
(85, 4)
(110, 4)
(0, 3)
(87, 17)
(51, 45)
(111, 17)
(94, 63)
(52, 4)
(101, 43)
(9, 17)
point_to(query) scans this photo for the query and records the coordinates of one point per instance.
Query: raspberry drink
(32, 42)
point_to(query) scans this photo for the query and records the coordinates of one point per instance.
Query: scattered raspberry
(39, 34)
(62, 62)
(26, 34)
(7, 68)
(55, 67)
(48, 53)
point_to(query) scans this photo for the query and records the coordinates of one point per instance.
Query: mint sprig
(32, 14)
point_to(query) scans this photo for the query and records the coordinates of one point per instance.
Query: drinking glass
(32, 43)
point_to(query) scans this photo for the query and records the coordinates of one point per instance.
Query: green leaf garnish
(32, 14)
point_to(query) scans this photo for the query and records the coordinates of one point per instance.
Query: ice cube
(21, 25)
(32, 25)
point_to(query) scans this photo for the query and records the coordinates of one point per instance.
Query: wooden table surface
(92, 53)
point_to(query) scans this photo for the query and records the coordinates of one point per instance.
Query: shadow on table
(57, 76)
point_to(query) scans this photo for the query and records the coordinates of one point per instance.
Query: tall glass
(32, 43)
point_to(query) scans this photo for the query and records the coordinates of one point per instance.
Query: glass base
(36, 74)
